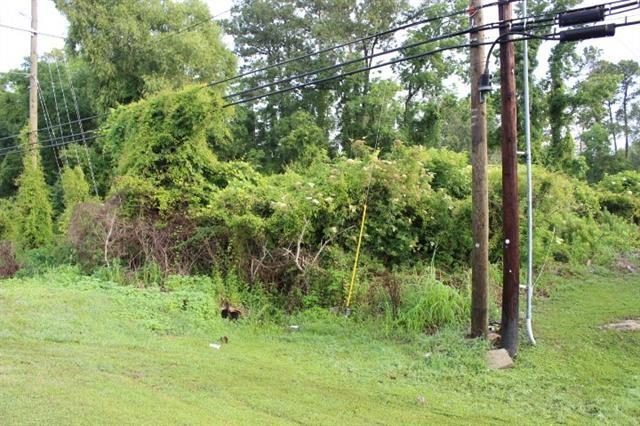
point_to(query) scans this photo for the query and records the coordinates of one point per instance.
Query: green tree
(138, 47)
(561, 148)
(63, 84)
(423, 79)
(262, 39)
(33, 211)
(157, 151)
(302, 142)
(75, 191)
(375, 117)
(630, 71)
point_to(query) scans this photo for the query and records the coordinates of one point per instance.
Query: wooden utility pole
(480, 196)
(33, 82)
(510, 208)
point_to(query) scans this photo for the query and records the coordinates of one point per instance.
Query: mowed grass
(75, 350)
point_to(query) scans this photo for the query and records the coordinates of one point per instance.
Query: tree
(63, 84)
(268, 32)
(75, 190)
(424, 78)
(302, 142)
(33, 209)
(373, 118)
(139, 47)
(157, 152)
(630, 71)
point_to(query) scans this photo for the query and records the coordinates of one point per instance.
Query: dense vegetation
(267, 198)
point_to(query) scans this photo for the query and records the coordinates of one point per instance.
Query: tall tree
(630, 71)
(424, 79)
(262, 38)
(137, 47)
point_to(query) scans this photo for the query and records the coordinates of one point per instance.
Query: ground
(76, 350)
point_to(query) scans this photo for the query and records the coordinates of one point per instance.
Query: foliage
(627, 182)
(33, 211)
(301, 141)
(620, 195)
(136, 48)
(64, 83)
(570, 224)
(158, 152)
(75, 191)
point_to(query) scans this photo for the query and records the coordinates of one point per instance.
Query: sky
(14, 45)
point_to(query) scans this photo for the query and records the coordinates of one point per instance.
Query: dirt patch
(626, 325)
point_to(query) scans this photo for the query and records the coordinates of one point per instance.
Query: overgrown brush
(8, 263)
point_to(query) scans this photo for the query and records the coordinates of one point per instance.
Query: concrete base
(499, 359)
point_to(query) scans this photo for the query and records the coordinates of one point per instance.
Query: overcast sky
(14, 45)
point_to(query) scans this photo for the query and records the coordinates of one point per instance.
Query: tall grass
(428, 304)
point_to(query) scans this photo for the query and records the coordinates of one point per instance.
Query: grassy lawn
(74, 350)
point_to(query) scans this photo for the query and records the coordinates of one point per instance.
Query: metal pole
(510, 203)
(480, 194)
(33, 82)
(527, 135)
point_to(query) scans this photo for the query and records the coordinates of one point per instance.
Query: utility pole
(33, 82)
(480, 195)
(527, 136)
(510, 205)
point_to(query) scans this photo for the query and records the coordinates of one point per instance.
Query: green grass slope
(75, 350)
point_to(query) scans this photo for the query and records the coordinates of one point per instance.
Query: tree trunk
(626, 122)
(612, 129)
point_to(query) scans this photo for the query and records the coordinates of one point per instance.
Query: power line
(485, 27)
(17, 149)
(356, 71)
(190, 27)
(84, 141)
(40, 33)
(349, 43)
(46, 116)
(22, 149)
(539, 20)
(66, 106)
(308, 55)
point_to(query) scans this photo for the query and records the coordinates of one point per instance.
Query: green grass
(75, 350)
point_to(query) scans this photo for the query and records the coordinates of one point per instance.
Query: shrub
(620, 195)
(75, 190)
(33, 209)
(160, 160)
(8, 263)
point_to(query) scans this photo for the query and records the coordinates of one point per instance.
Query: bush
(8, 263)
(75, 190)
(158, 151)
(620, 195)
(414, 301)
(33, 209)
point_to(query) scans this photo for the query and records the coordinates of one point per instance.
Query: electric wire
(405, 47)
(356, 71)
(55, 97)
(66, 107)
(539, 18)
(190, 27)
(84, 141)
(40, 33)
(16, 149)
(43, 105)
(355, 41)
(296, 87)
